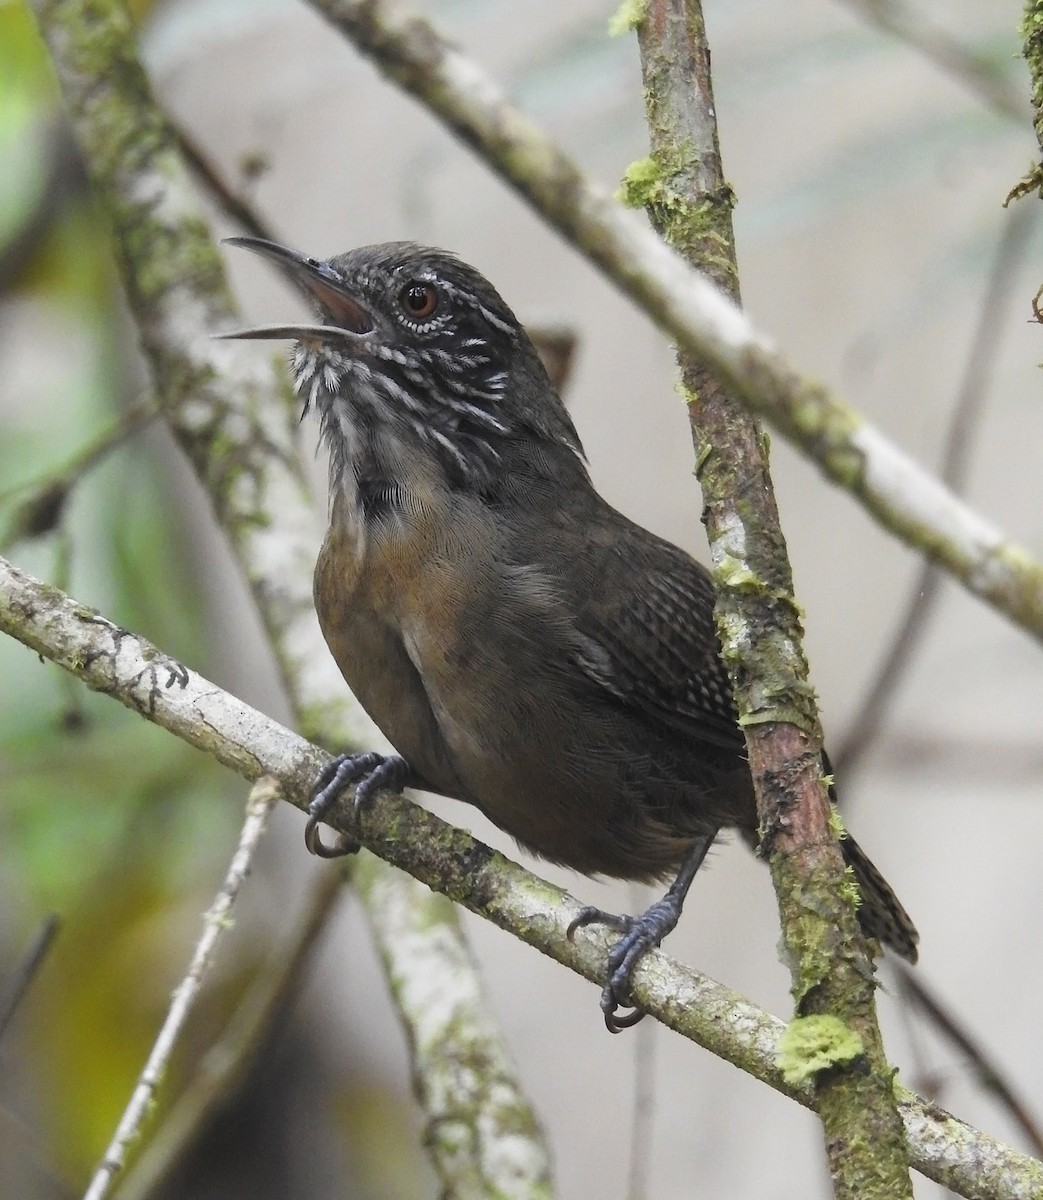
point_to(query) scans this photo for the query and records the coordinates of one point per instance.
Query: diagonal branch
(16, 987)
(40, 510)
(112, 660)
(901, 495)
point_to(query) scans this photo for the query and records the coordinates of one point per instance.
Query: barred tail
(881, 914)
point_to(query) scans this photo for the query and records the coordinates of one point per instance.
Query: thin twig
(642, 1121)
(235, 205)
(225, 1064)
(962, 429)
(978, 74)
(989, 1074)
(27, 970)
(40, 512)
(263, 797)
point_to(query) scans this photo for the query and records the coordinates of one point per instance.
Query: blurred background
(873, 246)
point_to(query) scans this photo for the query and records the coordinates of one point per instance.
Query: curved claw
(615, 994)
(640, 934)
(614, 1024)
(313, 840)
(369, 772)
(597, 916)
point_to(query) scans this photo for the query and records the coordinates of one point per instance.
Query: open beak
(346, 318)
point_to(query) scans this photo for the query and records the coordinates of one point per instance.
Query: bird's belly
(471, 672)
(563, 777)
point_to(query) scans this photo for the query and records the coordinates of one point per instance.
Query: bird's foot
(640, 934)
(369, 773)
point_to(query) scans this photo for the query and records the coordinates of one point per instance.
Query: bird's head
(411, 342)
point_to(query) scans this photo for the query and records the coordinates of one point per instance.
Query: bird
(525, 647)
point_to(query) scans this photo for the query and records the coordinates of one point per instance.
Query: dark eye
(419, 299)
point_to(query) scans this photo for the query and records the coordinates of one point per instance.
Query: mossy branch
(834, 1041)
(1032, 42)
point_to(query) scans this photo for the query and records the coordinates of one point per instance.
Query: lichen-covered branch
(834, 1042)
(476, 1117)
(902, 496)
(232, 413)
(1032, 36)
(116, 662)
